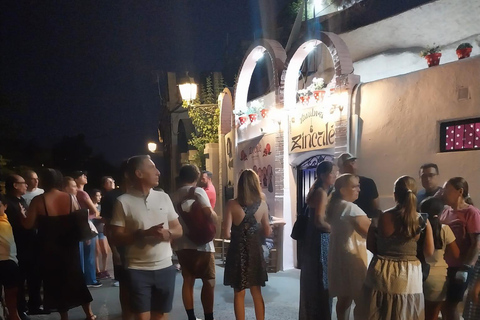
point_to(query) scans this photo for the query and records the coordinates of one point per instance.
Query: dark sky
(85, 66)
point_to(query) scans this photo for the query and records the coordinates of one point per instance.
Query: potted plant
(432, 55)
(317, 86)
(304, 95)
(464, 50)
(252, 112)
(242, 118)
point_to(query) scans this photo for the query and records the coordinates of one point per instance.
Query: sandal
(92, 317)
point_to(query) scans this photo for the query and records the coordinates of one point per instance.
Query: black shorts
(151, 290)
(456, 289)
(9, 274)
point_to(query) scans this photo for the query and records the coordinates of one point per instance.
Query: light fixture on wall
(258, 54)
(188, 89)
(310, 46)
(152, 147)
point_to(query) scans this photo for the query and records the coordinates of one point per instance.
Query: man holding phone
(145, 221)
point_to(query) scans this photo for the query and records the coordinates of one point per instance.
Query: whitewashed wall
(401, 118)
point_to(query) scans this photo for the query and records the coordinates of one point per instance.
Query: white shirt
(184, 242)
(32, 194)
(135, 211)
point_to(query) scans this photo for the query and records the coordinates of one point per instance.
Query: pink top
(82, 198)
(212, 194)
(462, 222)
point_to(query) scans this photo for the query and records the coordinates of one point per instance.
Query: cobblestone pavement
(281, 296)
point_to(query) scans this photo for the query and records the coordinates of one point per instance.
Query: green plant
(205, 118)
(317, 84)
(303, 92)
(430, 50)
(464, 45)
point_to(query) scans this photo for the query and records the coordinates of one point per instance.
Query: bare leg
(142, 316)
(97, 256)
(187, 290)
(343, 305)
(449, 311)
(11, 303)
(124, 302)
(88, 311)
(258, 303)
(159, 316)
(104, 251)
(432, 309)
(239, 304)
(208, 295)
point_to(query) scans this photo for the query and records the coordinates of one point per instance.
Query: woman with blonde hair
(347, 253)
(393, 287)
(246, 223)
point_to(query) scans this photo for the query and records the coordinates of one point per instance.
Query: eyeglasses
(428, 175)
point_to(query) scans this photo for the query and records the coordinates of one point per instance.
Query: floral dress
(245, 266)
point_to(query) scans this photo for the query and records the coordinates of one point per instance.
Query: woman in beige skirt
(393, 287)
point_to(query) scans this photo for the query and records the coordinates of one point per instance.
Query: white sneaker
(116, 283)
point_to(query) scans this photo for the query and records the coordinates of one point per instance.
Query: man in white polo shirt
(145, 221)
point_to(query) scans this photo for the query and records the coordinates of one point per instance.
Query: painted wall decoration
(310, 130)
(259, 155)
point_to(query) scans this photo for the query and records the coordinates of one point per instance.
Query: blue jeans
(87, 261)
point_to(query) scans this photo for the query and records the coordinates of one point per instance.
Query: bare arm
(372, 239)
(227, 223)
(452, 250)
(267, 229)
(91, 207)
(28, 222)
(361, 224)
(175, 230)
(320, 206)
(208, 211)
(376, 203)
(428, 245)
(474, 250)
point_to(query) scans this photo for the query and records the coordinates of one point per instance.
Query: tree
(205, 116)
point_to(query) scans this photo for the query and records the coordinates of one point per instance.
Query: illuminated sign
(309, 131)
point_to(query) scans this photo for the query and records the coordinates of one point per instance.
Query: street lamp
(188, 89)
(152, 147)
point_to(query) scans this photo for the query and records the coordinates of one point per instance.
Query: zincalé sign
(309, 131)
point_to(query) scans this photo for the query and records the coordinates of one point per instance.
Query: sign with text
(309, 130)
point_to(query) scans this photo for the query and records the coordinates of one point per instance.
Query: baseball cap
(344, 157)
(77, 174)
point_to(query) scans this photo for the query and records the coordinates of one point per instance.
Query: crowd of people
(413, 261)
(424, 251)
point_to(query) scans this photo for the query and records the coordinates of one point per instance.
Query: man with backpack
(195, 249)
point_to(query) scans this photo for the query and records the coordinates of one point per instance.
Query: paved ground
(281, 297)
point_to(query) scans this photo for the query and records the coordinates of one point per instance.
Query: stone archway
(277, 56)
(342, 62)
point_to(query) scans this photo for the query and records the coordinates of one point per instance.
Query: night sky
(71, 67)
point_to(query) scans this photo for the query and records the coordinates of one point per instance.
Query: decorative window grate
(462, 135)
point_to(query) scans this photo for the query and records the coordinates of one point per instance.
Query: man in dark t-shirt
(368, 196)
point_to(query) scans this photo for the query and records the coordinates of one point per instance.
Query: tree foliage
(205, 116)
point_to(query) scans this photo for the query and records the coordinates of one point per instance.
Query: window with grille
(462, 135)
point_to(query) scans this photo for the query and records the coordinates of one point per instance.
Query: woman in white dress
(347, 254)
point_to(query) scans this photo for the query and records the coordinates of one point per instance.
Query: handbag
(83, 229)
(300, 226)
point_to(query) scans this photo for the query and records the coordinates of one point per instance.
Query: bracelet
(467, 266)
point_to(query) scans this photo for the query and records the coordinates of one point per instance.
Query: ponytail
(434, 207)
(405, 190)
(468, 200)
(410, 216)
